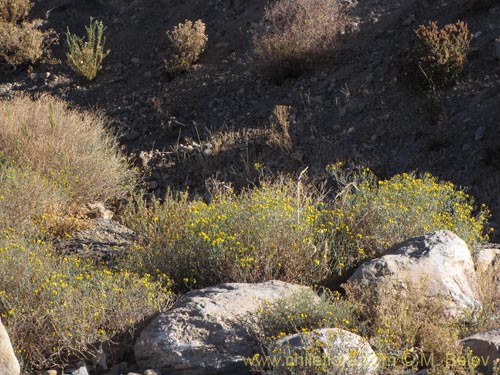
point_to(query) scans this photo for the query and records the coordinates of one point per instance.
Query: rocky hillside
(214, 121)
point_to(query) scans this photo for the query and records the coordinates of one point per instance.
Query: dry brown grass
(14, 10)
(68, 148)
(188, 41)
(280, 128)
(295, 35)
(20, 44)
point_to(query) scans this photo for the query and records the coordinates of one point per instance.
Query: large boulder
(8, 361)
(438, 264)
(485, 349)
(206, 331)
(333, 349)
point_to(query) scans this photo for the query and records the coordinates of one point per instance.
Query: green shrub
(262, 234)
(85, 56)
(295, 35)
(14, 10)
(20, 44)
(56, 309)
(441, 54)
(370, 216)
(188, 41)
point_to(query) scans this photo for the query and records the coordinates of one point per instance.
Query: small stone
(80, 371)
(48, 372)
(135, 60)
(477, 34)
(150, 372)
(152, 185)
(148, 74)
(119, 369)
(497, 48)
(479, 135)
(208, 152)
(409, 20)
(466, 147)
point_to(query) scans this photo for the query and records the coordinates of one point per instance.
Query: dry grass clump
(296, 34)
(70, 149)
(14, 10)
(20, 44)
(85, 56)
(408, 330)
(188, 41)
(56, 309)
(440, 54)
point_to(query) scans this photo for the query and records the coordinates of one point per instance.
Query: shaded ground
(214, 121)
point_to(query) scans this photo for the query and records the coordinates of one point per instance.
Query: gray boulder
(333, 349)
(8, 361)
(485, 349)
(438, 263)
(206, 331)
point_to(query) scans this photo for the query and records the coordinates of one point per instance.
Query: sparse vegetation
(85, 55)
(296, 35)
(187, 41)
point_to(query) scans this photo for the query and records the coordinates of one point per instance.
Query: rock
(338, 351)
(80, 371)
(440, 259)
(206, 331)
(8, 361)
(486, 346)
(103, 240)
(48, 372)
(497, 48)
(119, 369)
(150, 372)
(98, 211)
(486, 259)
(479, 135)
(135, 60)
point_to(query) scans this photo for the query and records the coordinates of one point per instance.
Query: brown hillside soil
(214, 120)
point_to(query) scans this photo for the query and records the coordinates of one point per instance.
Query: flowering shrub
(56, 308)
(261, 234)
(294, 35)
(372, 215)
(441, 53)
